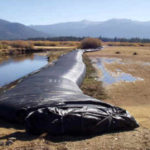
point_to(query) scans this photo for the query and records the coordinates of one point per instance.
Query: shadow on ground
(21, 135)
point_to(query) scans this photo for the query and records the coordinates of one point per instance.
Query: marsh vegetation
(89, 43)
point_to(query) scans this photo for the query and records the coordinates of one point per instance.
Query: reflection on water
(109, 77)
(17, 67)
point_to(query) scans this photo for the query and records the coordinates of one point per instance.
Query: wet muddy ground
(111, 77)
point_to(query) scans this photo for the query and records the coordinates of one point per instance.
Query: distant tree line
(61, 38)
(132, 40)
(104, 39)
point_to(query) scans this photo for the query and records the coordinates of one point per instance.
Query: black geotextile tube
(51, 101)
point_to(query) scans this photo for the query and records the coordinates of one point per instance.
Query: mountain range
(121, 28)
(16, 31)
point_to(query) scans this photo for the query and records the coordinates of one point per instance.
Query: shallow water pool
(17, 67)
(109, 77)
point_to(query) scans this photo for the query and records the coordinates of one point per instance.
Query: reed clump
(88, 43)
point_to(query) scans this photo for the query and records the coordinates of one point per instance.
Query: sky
(42, 12)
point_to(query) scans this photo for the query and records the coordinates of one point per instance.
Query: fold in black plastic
(51, 101)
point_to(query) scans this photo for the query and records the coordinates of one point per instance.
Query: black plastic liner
(51, 101)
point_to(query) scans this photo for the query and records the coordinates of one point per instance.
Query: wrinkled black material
(51, 101)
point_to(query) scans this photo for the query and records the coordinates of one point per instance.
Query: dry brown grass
(54, 47)
(21, 44)
(88, 43)
(54, 55)
(143, 53)
(16, 44)
(134, 96)
(16, 47)
(22, 47)
(56, 43)
(126, 44)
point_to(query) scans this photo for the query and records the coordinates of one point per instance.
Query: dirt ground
(133, 96)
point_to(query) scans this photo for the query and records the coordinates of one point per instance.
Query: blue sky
(53, 11)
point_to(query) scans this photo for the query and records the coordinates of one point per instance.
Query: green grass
(90, 85)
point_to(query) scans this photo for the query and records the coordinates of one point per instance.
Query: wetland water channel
(109, 77)
(15, 67)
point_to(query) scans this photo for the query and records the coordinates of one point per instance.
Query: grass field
(123, 52)
(133, 96)
(23, 47)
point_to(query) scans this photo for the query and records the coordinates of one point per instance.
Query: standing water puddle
(109, 77)
(15, 68)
